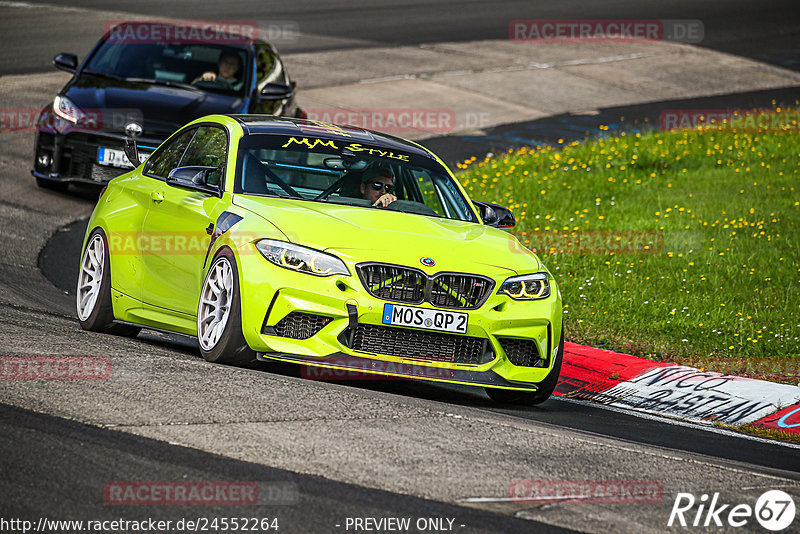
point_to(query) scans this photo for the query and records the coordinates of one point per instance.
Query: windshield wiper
(102, 74)
(166, 83)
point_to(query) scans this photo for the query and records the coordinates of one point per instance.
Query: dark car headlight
(302, 259)
(526, 287)
(67, 110)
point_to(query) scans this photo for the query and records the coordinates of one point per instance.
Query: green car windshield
(339, 172)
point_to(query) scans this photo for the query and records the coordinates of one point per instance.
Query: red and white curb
(677, 391)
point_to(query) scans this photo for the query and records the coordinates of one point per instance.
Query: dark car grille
(432, 346)
(102, 173)
(82, 159)
(298, 325)
(75, 155)
(522, 352)
(404, 284)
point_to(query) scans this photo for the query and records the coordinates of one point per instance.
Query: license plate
(116, 158)
(443, 321)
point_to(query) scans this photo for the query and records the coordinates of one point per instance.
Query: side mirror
(67, 62)
(194, 177)
(495, 215)
(276, 91)
(132, 152)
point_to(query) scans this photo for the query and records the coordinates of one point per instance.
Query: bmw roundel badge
(427, 262)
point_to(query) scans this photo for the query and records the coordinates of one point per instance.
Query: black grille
(390, 282)
(459, 290)
(82, 158)
(433, 346)
(404, 284)
(522, 352)
(298, 325)
(102, 173)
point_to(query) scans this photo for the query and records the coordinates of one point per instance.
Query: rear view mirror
(339, 164)
(67, 62)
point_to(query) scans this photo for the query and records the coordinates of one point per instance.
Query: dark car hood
(162, 109)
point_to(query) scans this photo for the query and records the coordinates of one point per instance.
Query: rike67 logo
(774, 510)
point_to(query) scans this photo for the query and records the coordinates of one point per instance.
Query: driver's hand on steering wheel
(208, 77)
(384, 200)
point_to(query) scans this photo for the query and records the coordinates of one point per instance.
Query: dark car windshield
(171, 64)
(342, 171)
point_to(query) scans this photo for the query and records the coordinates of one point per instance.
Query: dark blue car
(146, 89)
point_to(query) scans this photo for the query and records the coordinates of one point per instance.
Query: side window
(428, 192)
(169, 156)
(209, 148)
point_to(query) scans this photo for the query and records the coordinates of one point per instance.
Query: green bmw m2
(330, 246)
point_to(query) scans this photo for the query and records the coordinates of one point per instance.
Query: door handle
(157, 196)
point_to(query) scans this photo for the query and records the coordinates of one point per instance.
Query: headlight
(67, 110)
(526, 287)
(297, 258)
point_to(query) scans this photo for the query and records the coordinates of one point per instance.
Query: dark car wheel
(219, 314)
(93, 294)
(529, 398)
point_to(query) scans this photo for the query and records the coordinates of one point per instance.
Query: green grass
(679, 246)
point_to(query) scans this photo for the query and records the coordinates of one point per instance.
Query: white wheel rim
(215, 304)
(90, 277)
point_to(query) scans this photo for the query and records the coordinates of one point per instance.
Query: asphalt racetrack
(334, 451)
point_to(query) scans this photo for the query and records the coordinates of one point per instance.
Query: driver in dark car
(377, 186)
(229, 66)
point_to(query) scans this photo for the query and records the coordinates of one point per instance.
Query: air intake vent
(419, 344)
(522, 352)
(298, 325)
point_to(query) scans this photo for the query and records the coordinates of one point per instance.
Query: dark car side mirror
(67, 62)
(276, 91)
(495, 215)
(194, 178)
(132, 152)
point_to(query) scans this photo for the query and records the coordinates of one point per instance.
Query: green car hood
(359, 234)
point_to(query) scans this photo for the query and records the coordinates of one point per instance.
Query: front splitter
(353, 366)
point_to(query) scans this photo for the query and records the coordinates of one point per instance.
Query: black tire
(529, 398)
(101, 318)
(231, 347)
(53, 185)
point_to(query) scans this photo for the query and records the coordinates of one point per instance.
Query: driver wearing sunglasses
(377, 186)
